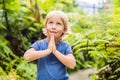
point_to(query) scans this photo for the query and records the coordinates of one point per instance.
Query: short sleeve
(35, 45)
(68, 49)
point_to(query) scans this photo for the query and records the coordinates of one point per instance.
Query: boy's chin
(58, 37)
(55, 35)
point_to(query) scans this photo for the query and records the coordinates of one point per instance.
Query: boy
(52, 54)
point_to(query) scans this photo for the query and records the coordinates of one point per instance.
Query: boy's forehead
(54, 18)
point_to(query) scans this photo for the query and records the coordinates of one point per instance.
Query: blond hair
(60, 14)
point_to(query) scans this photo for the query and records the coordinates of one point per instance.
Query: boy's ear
(65, 29)
(44, 31)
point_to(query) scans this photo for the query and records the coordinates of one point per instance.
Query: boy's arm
(31, 54)
(68, 60)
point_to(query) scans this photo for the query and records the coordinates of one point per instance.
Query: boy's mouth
(53, 32)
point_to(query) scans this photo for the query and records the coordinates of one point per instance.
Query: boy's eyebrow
(50, 21)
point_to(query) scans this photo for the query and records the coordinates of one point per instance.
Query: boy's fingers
(52, 36)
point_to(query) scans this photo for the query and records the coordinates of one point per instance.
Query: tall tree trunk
(6, 19)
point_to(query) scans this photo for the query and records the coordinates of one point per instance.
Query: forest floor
(82, 74)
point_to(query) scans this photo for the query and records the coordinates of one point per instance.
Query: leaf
(32, 29)
(117, 70)
(2, 27)
(93, 53)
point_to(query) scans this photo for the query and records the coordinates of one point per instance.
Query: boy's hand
(51, 45)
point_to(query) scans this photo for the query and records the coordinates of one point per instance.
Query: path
(82, 74)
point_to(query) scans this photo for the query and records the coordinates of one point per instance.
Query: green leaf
(117, 70)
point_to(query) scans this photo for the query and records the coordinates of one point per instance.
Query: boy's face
(55, 27)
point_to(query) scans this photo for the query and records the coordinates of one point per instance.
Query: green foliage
(26, 70)
(117, 3)
(98, 43)
(21, 24)
(18, 31)
(95, 40)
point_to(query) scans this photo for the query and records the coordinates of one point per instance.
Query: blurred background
(94, 35)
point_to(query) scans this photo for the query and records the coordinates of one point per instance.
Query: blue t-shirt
(49, 67)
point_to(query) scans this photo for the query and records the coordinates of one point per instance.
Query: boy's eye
(58, 23)
(50, 22)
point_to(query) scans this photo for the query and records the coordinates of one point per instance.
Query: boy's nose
(53, 26)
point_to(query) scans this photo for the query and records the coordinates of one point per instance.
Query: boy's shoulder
(40, 41)
(64, 42)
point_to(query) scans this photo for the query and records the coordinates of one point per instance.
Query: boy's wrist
(55, 51)
(48, 51)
